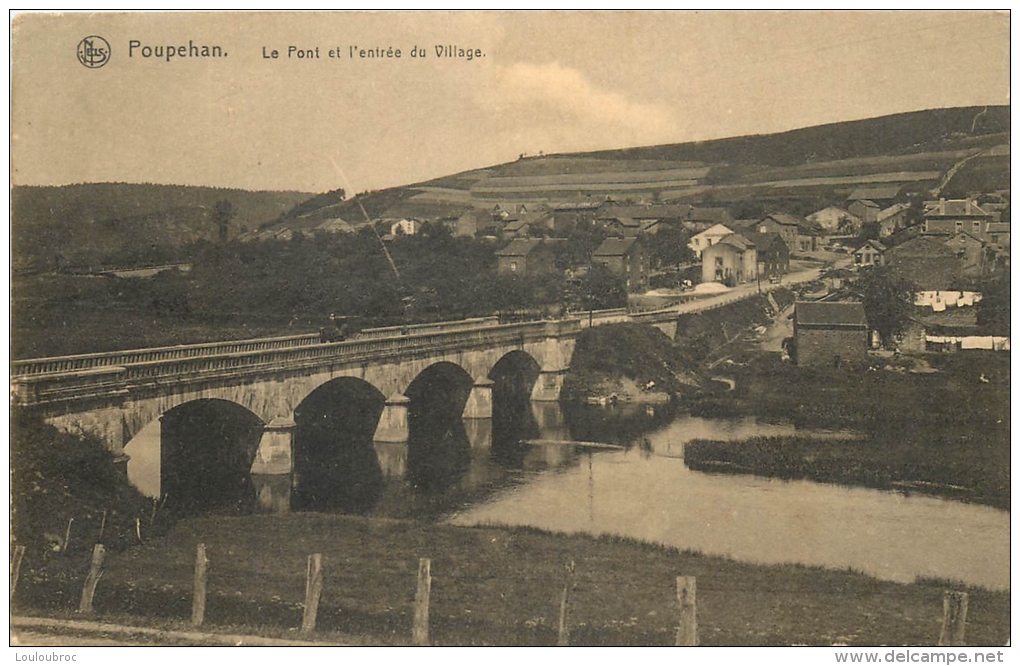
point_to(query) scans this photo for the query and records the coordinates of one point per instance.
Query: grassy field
(495, 586)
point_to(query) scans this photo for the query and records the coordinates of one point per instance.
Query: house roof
(830, 211)
(787, 219)
(519, 247)
(736, 240)
(652, 212)
(625, 221)
(877, 192)
(871, 243)
(763, 241)
(867, 202)
(708, 214)
(615, 247)
(714, 230)
(955, 208)
(516, 225)
(892, 210)
(964, 236)
(830, 314)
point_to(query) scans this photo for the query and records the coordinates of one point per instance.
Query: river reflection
(652, 496)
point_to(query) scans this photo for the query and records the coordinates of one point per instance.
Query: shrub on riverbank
(58, 476)
(933, 465)
(605, 356)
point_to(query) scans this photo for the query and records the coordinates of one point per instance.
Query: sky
(545, 82)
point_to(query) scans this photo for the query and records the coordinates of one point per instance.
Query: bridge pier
(275, 454)
(392, 458)
(479, 402)
(393, 421)
(548, 386)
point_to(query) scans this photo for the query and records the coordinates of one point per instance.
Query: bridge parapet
(113, 380)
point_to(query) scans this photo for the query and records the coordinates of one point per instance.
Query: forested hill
(934, 129)
(805, 168)
(126, 222)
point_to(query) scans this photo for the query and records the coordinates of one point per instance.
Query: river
(478, 472)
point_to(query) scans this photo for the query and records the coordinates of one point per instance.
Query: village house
(799, 234)
(864, 209)
(773, 255)
(871, 253)
(525, 256)
(625, 257)
(405, 227)
(732, 260)
(835, 221)
(867, 202)
(567, 216)
(708, 237)
(951, 216)
(970, 251)
(892, 219)
(698, 219)
(997, 233)
(829, 333)
(926, 262)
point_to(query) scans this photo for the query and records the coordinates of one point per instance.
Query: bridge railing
(109, 380)
(80, 362)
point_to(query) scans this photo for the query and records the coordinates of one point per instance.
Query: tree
(669, 247)
(888, 301)
(993, 309)
(601, 289)
(223, 213)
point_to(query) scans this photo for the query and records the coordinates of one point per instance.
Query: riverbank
(495, 586)
(943, 431)
(639, 363)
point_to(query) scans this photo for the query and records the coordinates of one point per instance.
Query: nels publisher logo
(93, 51)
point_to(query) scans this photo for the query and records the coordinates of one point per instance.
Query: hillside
(811, 165)
(102, 223)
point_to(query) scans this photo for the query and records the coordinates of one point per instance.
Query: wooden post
(563, 639)
(420, 629)
(198, 596)
(138, 529)
(67, 536)
(313, 591)
(954, 618)
(19, 554)
(687, 627)
(102, 527)
(95, 573)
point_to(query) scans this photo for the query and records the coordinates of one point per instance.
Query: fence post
(198, 598)
(954, 618)
(67, 536)
(19, 554)
(313, 591)
(95, 573)
(563, 639)
(687, 627)
(420, 629)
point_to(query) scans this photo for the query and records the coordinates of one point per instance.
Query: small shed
(829, 333)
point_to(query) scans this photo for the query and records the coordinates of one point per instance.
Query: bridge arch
(335, 465)
(198, 456)
(438, 451)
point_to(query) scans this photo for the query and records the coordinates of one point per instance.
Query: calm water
(654, 497)
(478, 472)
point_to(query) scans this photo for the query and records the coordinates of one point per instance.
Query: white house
(708, 238)
(405, 227)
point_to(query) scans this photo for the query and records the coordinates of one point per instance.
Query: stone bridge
(115, 395)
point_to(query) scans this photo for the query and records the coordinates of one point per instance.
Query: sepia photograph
(511, 328)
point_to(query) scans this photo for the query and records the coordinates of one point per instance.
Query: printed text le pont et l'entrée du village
(172, 52)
